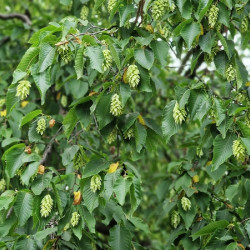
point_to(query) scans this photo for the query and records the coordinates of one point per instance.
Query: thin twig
(22, 17)
(49, 147)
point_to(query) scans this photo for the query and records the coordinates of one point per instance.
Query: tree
(107, 142)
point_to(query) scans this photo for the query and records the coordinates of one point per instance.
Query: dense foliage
(124, 124)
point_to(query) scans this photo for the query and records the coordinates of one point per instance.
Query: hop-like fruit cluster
(239, 150)
(213, 15)
(179, 114)
(23, 89)
(116, 105)
(199, 152)
(75, 218)
(107, 59)
(130, 133)
(65, 53)
(46, 206)
(230, 73)
(133, 76)
(84, 12)
(2, 184)
(95, 183)
(244, 25)
(210, 57)
(160, 7)
(165, 32)
(185, 203)
(41, 126)
(111, 5)
(112, 137)
(64, 101)
(79, 158)
(175, 219)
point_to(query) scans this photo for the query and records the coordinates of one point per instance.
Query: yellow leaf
(41, 169)
(209, 163)
(24, 104)
(77, 198)
(149, 28)
(113, 167)
(141, 120)
(124, 77)
(196, 179)
(247, 84)
(3, 113)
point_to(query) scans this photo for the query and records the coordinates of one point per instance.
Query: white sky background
(245, 55)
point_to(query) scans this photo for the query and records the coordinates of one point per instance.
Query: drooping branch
(20, 16)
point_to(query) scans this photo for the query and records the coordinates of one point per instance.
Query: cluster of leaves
(105, 145)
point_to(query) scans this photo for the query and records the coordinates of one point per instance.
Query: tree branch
(22, 17)
(49, 147)
(184, 60)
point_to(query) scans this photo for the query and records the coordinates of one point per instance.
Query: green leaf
(79, 62)
(135, 195)
(44, 233)
(40, 183)
(140, 136)
(96, 58)
(121, 188)
(25, 243)
(177, 30)
(11, 99)
(7, 225)
(220, 61)
(224, 14)
(5, 201)
(125, 92)
(29, 171)
(160, 49)
(124, 12)
(206, 41)
(69, 122)
(31, 115)
(203, 8)
(103, 115)
(46, 56)
(15, 157)
(212, 227)
(23, 207)
(222, 149)
(18, 75)
(145, 58)
(227, 44)
(232, 246)
(120, 238)
(140, 224)
(28, 59)
(220, 117)
(246, 142)
(244, 129)
(114, 53)
(98, 4)
(95, 166)
(241, 73)
(90, 198)
(185, 8)
(58, 199)
(189, 32)
(42, 81)
(169, 127)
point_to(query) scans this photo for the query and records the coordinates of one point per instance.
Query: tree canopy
(124, 124)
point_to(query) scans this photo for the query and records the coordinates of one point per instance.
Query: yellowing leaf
(113, 167)
(124, 77)
(41, 169)
(24, 104)
(141, 120)
(3, 113)
(77, 198)
(247, 84)
(209, 163)
(149, 28)
(196, 178)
